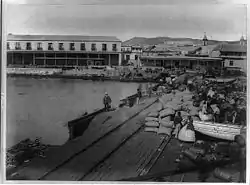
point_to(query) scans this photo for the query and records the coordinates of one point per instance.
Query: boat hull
(218, 130)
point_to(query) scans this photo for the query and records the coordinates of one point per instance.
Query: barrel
(191, 155)
(220, 174)
(197, 151)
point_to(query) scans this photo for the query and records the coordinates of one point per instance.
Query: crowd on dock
(206, 101)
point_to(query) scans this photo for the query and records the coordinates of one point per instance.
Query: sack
(153, 114)
(186, 135)
(195, 118)
(166, 119)
(194, 111)
(151, 119)
(152, 124)
(151, 129)
(165, 130)
(159, 107)
(166, 112)
(183, 113)
(167, 124)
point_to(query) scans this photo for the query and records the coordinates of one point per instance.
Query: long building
(63, 51)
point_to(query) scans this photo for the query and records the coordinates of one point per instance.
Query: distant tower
(242, 41)
(204, 39)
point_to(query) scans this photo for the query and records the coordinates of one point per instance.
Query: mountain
(143, 41)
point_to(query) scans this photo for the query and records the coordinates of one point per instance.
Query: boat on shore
(218, 130)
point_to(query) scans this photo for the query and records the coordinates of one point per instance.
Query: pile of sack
(161, 119)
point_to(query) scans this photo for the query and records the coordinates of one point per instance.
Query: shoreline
(84, 77)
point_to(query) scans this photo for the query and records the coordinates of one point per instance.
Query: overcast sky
(128, 18)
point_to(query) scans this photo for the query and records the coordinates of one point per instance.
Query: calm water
(41, 107)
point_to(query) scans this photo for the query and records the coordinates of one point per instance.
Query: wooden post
(77, 63)
(12, 58)
(44, 59)
(22, 59)
(109, 60)
(33, 59)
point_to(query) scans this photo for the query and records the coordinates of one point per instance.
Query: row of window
(61, 46)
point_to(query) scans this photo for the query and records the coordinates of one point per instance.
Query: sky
(220, 19)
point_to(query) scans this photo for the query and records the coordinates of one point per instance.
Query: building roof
(180, 57)
(231, 48)
(62, 38)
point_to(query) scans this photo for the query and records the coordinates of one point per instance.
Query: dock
(113, 147)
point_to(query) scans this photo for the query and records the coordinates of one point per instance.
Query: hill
(143, 41)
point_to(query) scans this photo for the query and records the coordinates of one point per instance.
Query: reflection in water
(41, 107)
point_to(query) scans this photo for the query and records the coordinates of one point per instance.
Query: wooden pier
(111, 150)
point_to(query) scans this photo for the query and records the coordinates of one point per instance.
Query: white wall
(66, 45)
(236, 63)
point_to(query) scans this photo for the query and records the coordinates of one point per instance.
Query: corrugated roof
(231, 48)
(62, 38)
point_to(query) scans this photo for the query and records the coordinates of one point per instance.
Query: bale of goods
(186, 135)
(151, 119)
(194, 111)
(167, 124)
(182, 88)
(195, 118)
(151, 129)
(159, 107)
(172, 105)
(152, 124)
(153, 114)
(183, 113)
(165, 130)
(166, 112)
(166, 119)
(187, 97)
(205, 117)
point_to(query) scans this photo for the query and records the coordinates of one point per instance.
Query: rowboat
(218, 130)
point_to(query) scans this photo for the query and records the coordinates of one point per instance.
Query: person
(177, 123)
(210, 93)
(139, 95)
(241, 141)
(149, 89)
(107, 101)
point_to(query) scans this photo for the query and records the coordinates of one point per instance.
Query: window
(8, 45)
(104, 47)
(72, 46)
(231, 63)
(28, 46)
(39, 46)
(50, 46)
(61, 47)
(18, 46)
(93, 47)
(83, 47)
(114, 47)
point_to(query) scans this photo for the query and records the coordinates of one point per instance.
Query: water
(42, 107)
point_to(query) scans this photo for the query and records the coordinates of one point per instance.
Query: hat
(106, 93)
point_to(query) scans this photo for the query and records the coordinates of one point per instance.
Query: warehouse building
(63, 51)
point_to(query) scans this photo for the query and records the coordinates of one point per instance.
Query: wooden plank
(128, 160)
(55, 157)
(84, 163)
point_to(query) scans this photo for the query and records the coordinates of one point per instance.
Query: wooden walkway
(116, 149)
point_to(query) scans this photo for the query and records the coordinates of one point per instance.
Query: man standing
(107, 101)
(139, 95)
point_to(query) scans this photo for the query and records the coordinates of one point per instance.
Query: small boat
(218, 130)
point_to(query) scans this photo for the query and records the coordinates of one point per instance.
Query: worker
(241, 141)
(177, 123)
(107, 101)
(139, 95)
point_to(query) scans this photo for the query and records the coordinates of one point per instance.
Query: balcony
(28, 48)
(93, 49)
(39, 48)
(17, 48)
